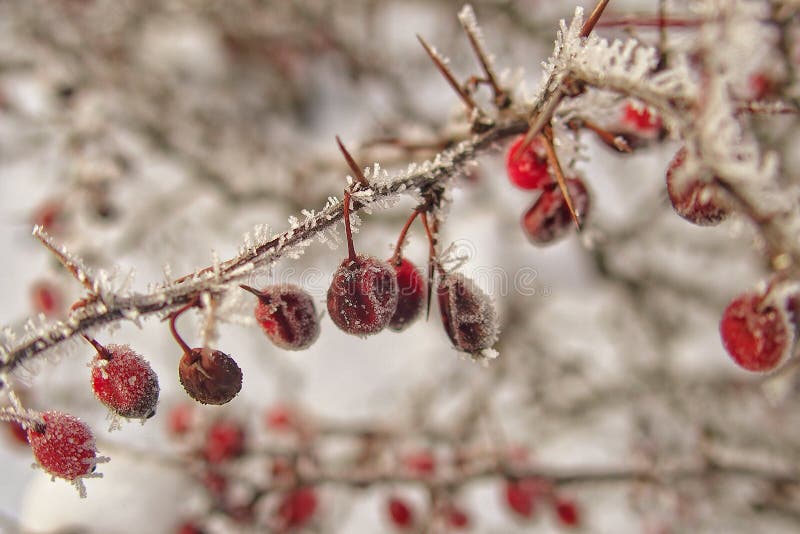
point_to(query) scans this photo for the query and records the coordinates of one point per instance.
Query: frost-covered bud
(549, 218)
(468, 315)
(411, 291)
(64, 447)
(124, 381)
(362, 297)
(210, 376)
(699, 202)
(287, 315)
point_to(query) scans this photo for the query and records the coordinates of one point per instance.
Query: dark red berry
(210, 376)
(124, 381)
(756, 334)
(521, 497)
(363, 295)
(468, 315)
(400, 513)
(224, 441)
(46, 298)
(699, 202)
(287, 315)
(527, 169)
(549, 218)
(455, 517)
(567, 512)
(411, 292)
(64, 447)
(298, 507)
(17, 432)
(640, 119)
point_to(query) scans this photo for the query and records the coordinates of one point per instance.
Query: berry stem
(398, 249)
(552, 157)
(173, 317)
(431, 261)
(101, 350)
(351, 250)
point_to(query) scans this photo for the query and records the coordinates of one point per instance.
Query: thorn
(552, 157)
(591, 22)
(501, 99)
(359, 175)
(76, 270)
(252, 290)
(448, 75)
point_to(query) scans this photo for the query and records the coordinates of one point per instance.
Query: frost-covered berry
(521, 496)
(400, 513)
(699, 202)
(527, 169)
(468, 315)
(640, 119)
(224, 441)
(209, 376)
(362, 297)
(411, 291)
(757, 332)
(64, 447)
(549, 218)
(124, 381)
(567, 512)
(298, 507)
(287, 315)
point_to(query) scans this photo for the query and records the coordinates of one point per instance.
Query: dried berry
(298, 507)
(527, 169)
(64, 447)
(224, 441)
(287, 315)
(363, 296)
(698, 201)
(549, 218)
(468, 315)
(411, 291)
(124, 381)
(756, 333)
(567, 512)
(400, 513)
(210, 376)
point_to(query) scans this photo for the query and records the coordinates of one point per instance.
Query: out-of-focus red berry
(298, 507)
(400, 513)
(224, 441)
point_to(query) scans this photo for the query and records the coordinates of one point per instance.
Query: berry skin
(567, 512)
(411, 291)
(695, 200)
(124, 381)
(287, 315)
(298, 507)
(209, 376)
(17, 432)
(527, 170)
(362, 297)
(640, 119)
(549, 218)
(224, 441)
(400, 513)
(755, 333)
(64, 447)
(521, 497)
(468, 315)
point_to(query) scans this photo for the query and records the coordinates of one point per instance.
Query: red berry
(64, 447)
(215, 483)
(49, 215)
(421, 463)
(46, 298)
(549, 218)
(189, 528)
(761, 85)
(521, 496)
(411, 292)
(297, 507)
(756, 334)
(209, 376)
(455, 517)
(224, 441)
(695, 200)
(400, 513)
(180, 419)
(567, 512)
(640, 119)
(287, 315)
(124, 381)
(468, 314)
(363, 295)
(528, 169)
(281, 418)
(17, 432)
